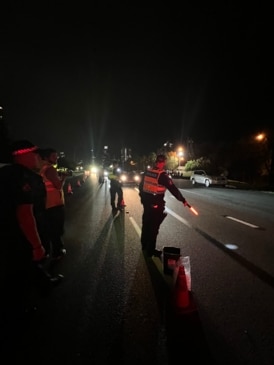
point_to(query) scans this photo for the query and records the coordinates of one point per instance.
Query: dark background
(78, 77)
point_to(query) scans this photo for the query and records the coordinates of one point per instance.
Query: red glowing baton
(192, 209)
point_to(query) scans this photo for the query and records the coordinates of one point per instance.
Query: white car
(201, 177)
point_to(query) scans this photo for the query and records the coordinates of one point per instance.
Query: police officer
(116, 192)
(55, 203)
(21, 219)
(152, 188)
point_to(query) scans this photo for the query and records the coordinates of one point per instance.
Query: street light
(260, 137)
(180, 155)
(268, 141)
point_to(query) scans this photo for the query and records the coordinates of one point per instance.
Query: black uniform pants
(55, 220)
(22, 282)
(116, 192)
(152, 218)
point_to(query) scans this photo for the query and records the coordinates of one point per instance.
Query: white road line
(135, 225)
(138, 229)
(177, 217)
(243, 222)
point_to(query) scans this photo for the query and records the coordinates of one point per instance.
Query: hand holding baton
(190, 207)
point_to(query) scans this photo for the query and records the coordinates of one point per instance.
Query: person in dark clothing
(101, 176)
(55, 204)
(116, 191)
(21, 219)
(152, 188)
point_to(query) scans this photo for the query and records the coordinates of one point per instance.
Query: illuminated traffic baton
(192, 209)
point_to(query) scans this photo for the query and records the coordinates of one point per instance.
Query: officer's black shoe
(55, 280)
(147, 255)
(114, 211)
(59, 255)
(157, 253)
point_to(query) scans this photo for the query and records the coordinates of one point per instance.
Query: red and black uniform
(152, 188)
(55, 209)
(19, 186)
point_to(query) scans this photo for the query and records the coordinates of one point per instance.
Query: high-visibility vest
(55, 197)
(151, 184)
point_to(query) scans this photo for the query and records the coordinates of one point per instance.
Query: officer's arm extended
(165, 180)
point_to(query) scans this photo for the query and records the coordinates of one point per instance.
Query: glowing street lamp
(268, 141)
(180, 155)
(260, 137)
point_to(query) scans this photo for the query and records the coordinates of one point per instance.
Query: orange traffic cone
(181, 293)
(78, 183)
(70, 189)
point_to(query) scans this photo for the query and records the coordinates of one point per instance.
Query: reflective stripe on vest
(151, 184)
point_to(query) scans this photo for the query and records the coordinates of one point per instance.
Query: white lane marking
(227, 216)
(243, 222)
(138, 229)
(178, 217)
(135, 225)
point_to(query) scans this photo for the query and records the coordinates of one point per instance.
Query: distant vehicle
(201, 177)
(64, 171)
(177, 174)
(130, 178)
(79, 168)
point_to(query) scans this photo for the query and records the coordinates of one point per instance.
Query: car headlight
(94, 170)
(123, 178)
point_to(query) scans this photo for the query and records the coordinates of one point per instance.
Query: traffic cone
(78, 183)
(70, 189)
(181, 293)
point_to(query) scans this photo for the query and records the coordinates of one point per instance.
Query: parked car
(201, 177)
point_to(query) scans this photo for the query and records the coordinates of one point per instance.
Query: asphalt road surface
(113, 305)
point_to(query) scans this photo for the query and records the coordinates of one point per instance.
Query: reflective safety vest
(151, 184)
(55, 197)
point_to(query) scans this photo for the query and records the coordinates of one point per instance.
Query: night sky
(78, 79)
